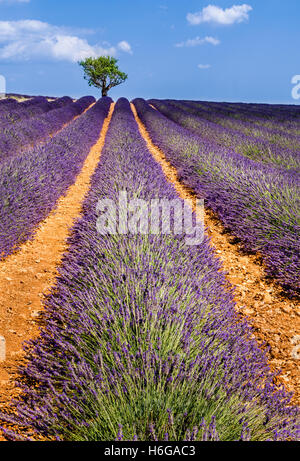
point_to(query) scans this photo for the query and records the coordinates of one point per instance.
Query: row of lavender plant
(275, 134)
(26, 96)
(258, 149)
(286, 125)
(272, 111)
(282, 133)
(206, 124)
(27, 109)
(6, 102)
(141, 340)
(258, 203)
(31, 184)
(284, 130)
(18, 138)
(12, 106)
(263, 111)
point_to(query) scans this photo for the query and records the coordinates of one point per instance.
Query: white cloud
(204, 66)
(124, 46)
(72, 48)
(198, 41)
(215, 14)
(30, 39)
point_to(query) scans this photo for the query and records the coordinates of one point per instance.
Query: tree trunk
(104, 91)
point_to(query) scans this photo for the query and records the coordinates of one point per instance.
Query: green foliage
(103, 73)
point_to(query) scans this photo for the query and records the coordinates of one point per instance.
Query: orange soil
(27, 275)
(275, 320)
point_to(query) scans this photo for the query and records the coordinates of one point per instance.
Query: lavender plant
(6, 103)
(18, 138)
(140, 338)
(31, 184)
(258, 203)
(263, 118)
(30, 108)
(283, 153)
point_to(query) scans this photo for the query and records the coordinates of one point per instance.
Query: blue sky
(203, 50)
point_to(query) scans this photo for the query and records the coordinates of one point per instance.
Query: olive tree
(103, 73)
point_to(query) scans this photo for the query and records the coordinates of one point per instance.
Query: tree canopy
(103, 72)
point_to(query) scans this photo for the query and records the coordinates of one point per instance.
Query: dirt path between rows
(25, 277)
(275, 319)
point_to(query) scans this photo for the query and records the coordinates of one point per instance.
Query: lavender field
(140, 338)
(252, 183)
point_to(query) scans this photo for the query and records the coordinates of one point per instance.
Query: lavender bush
(7, 102)
(258, 203)
(30, 108)
(283, 154)
(20, 137)
(31, 184)
(263, 120)
(141, 340)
